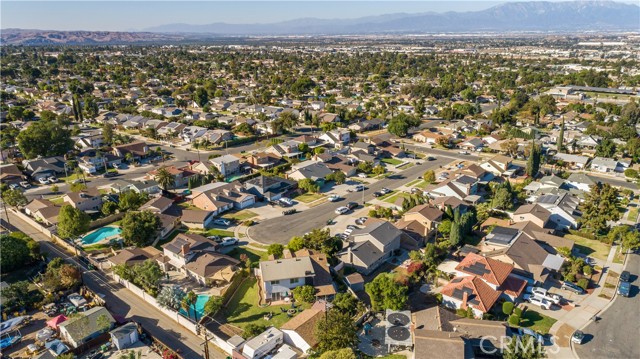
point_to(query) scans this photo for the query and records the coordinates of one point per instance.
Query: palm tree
(189, 302)
(164, 178)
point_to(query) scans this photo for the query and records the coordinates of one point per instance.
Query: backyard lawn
(308, 197)
(536, 321)
(243, 308)
(240, 216)
(391, 161)
(590, 247)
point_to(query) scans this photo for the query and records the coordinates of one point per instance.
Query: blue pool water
(100, 234)
(202, 300)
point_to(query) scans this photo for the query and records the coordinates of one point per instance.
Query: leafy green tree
(386, 293)
(502, 199)
(131, 201)
(14, 198)
(213, 305)
(631, 241)
(560, 142)
(253, 329)
(606, 148)
(338, 177)
(346, 353)
(507, 308)
(429, 176)
(455, 236)
(600, 205)
(107, 133)
(170, 296)
(15, 295)
(304, 293)
(378, 170)
(108, 208)
(148, 275)
(15, 253)
(165, 178)
(308, 185)
(275, 249)
(365, 167)
(398, 127)
(45, 138)
(201, 97)
(296, 244)
(138, 228)
(533, 162)
(72, 222)
(346, 303)
(189, 304)
(336, 331)
(9, 136)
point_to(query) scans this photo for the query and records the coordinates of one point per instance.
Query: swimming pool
(100, 234)
(200, 302)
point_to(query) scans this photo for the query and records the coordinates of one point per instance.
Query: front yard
(536, 321)
(395, 196)
(633, 214)
(254, 255)
(308, 197)
(240, 216)
(590, 247)
(243, 308)
(218, 232)
(391, 161)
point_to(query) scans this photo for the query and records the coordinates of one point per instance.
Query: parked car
(526, 331)
(14, 186)
(351, 226)
(540, 302)
(352, 205)
(347, 232)
(25, 184)
(431, 158)
(222, 222)
(572, 287)
(464, 152)
(625, 276)
(377, 194)
(52, 179)
(624, 289)
(116, 166)
(360, 221)
(43, 180)
(359, 188)
(577, 337)
(334, 198)
(362, 175)
(229, 241)
(289, 211)
(286, 201)
(216, 239)
(341, 210)
(385, 190)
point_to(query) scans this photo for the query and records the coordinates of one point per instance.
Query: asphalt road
(281, 229)
(121, 301)
(615, 335)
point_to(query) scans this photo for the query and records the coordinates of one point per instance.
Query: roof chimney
(185, 249)
(465, 297)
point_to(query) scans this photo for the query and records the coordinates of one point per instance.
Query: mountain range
(532, 16)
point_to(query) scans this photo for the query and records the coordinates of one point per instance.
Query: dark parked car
(572, 287)
(624, 288)
(352, 205)
(289, 211)
(625, 276)
(110, 174)
(377, 194)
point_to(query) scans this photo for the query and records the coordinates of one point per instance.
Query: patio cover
(225, 274)
(54, 322)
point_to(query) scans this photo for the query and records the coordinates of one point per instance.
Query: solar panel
(478, 269)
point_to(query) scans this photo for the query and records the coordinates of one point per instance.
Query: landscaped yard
(633, 214)
(413, 182)
(240, 216)
(217, 232)
(243, 308)
(394, 197)
(308, 197)
(536, 321)
(590, 247)
(253, 254)
(391, 161)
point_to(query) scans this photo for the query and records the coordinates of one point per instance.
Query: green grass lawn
(633, 214)
(536, 321)
(382, 198)
(243, 308)
(96, 247)
(590, 247)
(308, 197)
(240, 216)
(394, 197)
(391, 161)
(253, 254)
(218, 232)
(57, 201)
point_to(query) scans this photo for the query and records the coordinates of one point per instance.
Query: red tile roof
(495, 271)
(481, 297)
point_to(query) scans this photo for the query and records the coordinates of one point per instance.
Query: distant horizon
(138, 16)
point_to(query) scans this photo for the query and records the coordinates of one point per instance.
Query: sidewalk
(582, 314)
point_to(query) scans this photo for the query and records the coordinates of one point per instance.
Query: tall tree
(560, 143)
(533, 162)
(14, 198)
(138, 228)
(455, 236)
(336, 331)
(165, 178)
(107, 133)
(72, 222)
(45, 138)
(600, 205)
(386, 293)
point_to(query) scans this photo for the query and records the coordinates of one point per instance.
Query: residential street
(280, 230)
(615, 335)
(121, 301)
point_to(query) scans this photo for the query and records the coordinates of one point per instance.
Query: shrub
(461, 313)
(630, 172)
(570, 277)
(438, 297)
(248, 223)
(517, 311)
(583, 283)
(514, 320)
(587, 270)
(507, 308)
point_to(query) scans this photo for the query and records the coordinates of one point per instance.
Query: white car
(52, 179)
(347, 232)
(286, 201)
(342, 210)
(540, 302)
(43, 180)
(464, 152)
(359, 188)
(385, 191)
(334, 198)
(362, 175)
(221, 222)
(228, 241)
(25, 184)
(14, 186)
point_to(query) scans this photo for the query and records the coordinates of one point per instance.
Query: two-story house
(137, 150)
(89, 200)
(226, 164)
(369, 247)
(461, 187)
(336, 138)
(420, 222)
(279, 277)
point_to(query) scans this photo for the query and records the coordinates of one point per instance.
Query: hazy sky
(138, 15)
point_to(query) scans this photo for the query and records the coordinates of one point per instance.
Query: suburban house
(574, 161)
(338, 163)
(607, 165)
(364, 146)
(10, 173)
(474, 144)
(580, 181)
(337, 138)
(37, 204)
(262, 160)
(498, 165)
(429, 136)
(420, 220)
(47, 215)
(171, 129)
(279, 277)
(44, 167)
(88, 200)
(563, 208)
(226, 164)
(125, 336)
(462, 187)
(299, 331)
(78, 330)
(315, 171)
(288, 149)
(469, 292)
(371, 246)
(220, 197)
(181, 175)
(157, 204)
(137, 150)
(322, 280)
(89, 140)
(532, 212)
(196, 218)
(271, 188)
(133, 256)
